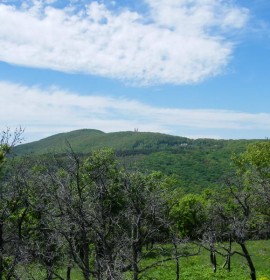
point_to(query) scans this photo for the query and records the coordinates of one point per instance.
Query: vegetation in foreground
(93, 216)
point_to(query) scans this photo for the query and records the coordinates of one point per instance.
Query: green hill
(198, 164)
(58, 143)
(85, 140)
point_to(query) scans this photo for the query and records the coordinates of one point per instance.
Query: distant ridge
(85, 140)
(58, 142)
(198, 164)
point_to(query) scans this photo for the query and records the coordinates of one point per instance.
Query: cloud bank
(173, 42)
(46, 112)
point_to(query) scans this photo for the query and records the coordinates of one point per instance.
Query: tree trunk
(213, 260)
(86, 273)
(49, 273)
(98, 257)
(177, 268)
(249, 261)
(68, 275)
(135, 261)
(1, 251)
(229, 254)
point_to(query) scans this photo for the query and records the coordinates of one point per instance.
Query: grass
(193, 268)
(199, 267)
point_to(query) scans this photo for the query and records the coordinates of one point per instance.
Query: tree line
(66, 212)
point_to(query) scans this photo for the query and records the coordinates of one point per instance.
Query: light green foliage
(4, 150)
(101, 173)
(189, 215)
(8, 141)
(101, 162)
(255, 159)
(1, 156)
(253, 169)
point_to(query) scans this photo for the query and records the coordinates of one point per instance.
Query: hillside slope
(198, 164)
(85, 140)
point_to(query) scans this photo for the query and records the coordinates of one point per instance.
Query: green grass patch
(191, 268)
(199, 267)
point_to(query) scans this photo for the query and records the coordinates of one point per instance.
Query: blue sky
(194, 68)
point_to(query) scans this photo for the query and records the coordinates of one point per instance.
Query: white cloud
(176, 42)
(46, 112)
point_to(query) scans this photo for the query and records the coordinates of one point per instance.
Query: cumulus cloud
(174, 41)
(46, 112)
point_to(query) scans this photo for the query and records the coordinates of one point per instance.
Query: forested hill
(85, 140)
(198, 164)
